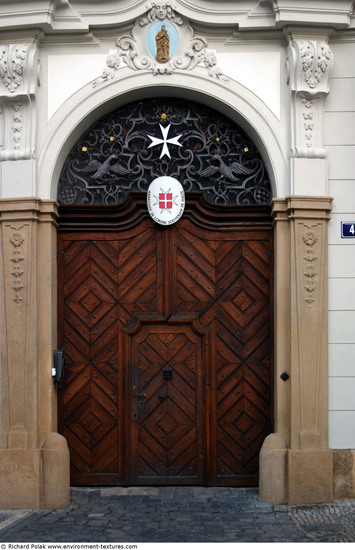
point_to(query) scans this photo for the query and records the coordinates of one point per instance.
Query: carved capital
(310, 62)
(19, 69)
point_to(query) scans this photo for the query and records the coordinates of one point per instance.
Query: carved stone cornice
(72, 15)
(323, 12)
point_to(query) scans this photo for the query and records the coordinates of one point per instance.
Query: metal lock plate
(167, 374)
(141, 401)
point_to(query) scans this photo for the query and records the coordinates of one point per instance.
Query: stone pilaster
(310, 466)
(295, 462)
(28, 334)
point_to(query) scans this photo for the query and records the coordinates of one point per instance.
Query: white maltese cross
(165, 141)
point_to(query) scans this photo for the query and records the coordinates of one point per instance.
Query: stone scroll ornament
(161, 42)
(129, 148)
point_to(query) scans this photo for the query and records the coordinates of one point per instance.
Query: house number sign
(348, 230)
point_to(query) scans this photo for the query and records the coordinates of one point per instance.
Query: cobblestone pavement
(180, 514)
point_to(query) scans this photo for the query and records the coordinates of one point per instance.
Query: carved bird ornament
(229, 172)
(98, 169)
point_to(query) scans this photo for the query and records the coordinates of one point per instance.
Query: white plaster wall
(340, 145)
(259, 71)
(67, 73)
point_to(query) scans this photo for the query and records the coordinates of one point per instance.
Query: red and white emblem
(165, 200)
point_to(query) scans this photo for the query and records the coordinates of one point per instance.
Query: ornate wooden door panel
(139, 278)
(89, 324)
(243, 377)
(167, 435)
(97, 278)
(226, 280)
(168, 341)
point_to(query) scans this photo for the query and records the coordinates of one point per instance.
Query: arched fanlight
(135, 144)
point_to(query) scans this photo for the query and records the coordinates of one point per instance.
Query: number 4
(352, 230)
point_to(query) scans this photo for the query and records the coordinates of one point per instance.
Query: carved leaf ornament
(315, 59)
(129, 148)
(12, 60)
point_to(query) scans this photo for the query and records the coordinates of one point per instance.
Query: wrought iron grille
(127, 149)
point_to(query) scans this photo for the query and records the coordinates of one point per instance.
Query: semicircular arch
(89, 104)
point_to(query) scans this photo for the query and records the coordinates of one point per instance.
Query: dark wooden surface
(136, 300)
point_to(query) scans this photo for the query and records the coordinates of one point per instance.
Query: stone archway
(300, 408)
(170, 287)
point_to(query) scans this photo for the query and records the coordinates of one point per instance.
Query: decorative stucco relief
(310, 268)
(19, 78)
(308, 117)
(161, 28)
(19, 142)
(17, 124)
(309, 64)
(315, 58)
(160, 11)
(12, 61)
(17, 272)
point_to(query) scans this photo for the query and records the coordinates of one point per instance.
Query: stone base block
(20, 478)
(344, 473)
(36, 478)
(273, 470)
(56, 472)
(310, 476)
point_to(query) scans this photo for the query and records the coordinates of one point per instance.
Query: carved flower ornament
(17, 239)
(309, 238)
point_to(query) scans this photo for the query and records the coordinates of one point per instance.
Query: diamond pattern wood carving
(227, 280)
(90, 338)
(168, 342)
(167, 437)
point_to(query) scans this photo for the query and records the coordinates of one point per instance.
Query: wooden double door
(167, 332)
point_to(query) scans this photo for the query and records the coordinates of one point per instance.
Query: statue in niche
(162, 40)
